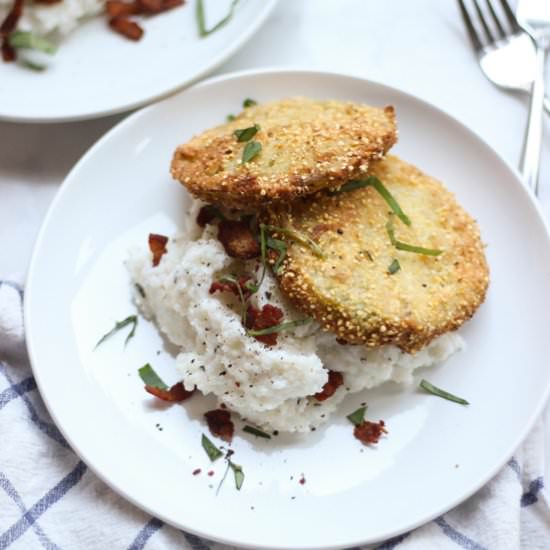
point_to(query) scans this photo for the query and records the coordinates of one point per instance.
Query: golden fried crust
(306, 145)
(351, 293)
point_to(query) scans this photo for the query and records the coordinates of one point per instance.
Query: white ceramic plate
(97, 72)
(437, 453)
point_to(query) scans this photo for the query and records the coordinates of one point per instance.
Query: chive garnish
(409, 247)
(382, 191)
(394, 267)
(424, 384)
(249, 102)
(299, 238)
(251, 149)
(210, 449)
(235, 281)
(246, 134)
(230, 118)
(281, 248)
(287, 325)
(201, 20)
(151, 378)
(38, 67)
(256, 431)
(29, 41)
(131, 320)
(238, 474)
(357, 417)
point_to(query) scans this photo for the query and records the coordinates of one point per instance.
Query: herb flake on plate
(256, 431)
(394, 267)
(246, 134)
(151, 378)
(210, 449)
(130, 320)
(357, 417)
(28, 41)
(201, 19)
(434, 390)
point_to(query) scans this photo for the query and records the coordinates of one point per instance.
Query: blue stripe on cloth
(17, 390)
(148, 530)
(456, 536)
(45, 427)
(530, 497)
(6, 484)
(13, 285)
(195, 542)
(392, 543)
(48, 500)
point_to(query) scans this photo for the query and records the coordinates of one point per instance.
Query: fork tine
(496, 19)
(510, 16)
(486, 28)
(472, 33)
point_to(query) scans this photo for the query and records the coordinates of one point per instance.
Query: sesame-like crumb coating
(351, 292)
(307, 145)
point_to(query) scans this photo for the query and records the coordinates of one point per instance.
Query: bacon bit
(116, 8)
(47, 1)
(335, 380)
(197, 472)
(238, 240)
(258, 319)
(302, 480)
(228, 286)
(176, 394)
(370, 432)
(341, 341)
(220, 424)
(126, 27)
(7, 27)
(157, 245)
(207, 214)
(211, 473)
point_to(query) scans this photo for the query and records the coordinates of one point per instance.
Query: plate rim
(267, 8)
(131, 119)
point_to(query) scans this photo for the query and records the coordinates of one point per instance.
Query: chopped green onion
(246, 134)
(230, 118)
(251, 149)
(29, 41)
(281, 248)
(201, 20)
(357, 416)
(210, 449)
(257, 432)
(249, 102)
(382, 190)
(238, 474)
(38, 67)
(279, 328)
(151, 378)
(424, 384)
(394, 267)
(131, 320)
(235, 281)
(298, 237)
(409, 247)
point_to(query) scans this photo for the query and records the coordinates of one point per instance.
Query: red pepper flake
(259, 319)
(131, 30)
(238, 240)
(230, 286)
(211, 473)
(197, 471)
(176, 394)
(335, 380)
(220, 424)
(302, 480)
(157, 245)
(370, 432)
(8, 25)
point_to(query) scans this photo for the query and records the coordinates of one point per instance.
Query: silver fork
(506, 54)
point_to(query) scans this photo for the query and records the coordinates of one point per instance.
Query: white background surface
(418, 46)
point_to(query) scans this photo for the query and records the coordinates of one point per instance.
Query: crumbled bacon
(116, 8)
(47, 1)
(238, 240)
(370, 432)
(157, 245)
(259, 319)
(335, 380)
(207, 214)
(7, 27)
(229, 286)
(176, 394)
(126, 27)
(220, 424)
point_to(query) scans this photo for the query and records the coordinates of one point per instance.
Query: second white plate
(437, 453)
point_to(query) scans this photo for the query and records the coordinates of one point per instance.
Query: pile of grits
(271, 387)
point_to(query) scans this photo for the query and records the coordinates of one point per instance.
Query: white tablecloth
(418, 46)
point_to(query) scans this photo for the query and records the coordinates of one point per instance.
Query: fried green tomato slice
(304, 145)
(355, 289)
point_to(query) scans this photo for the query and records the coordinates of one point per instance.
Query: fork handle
(530, 160)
